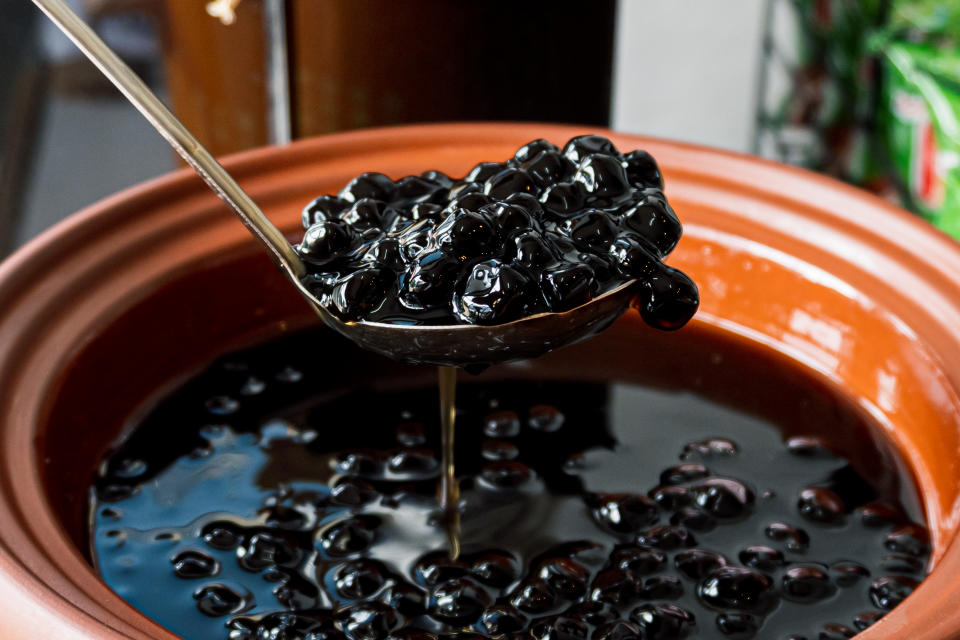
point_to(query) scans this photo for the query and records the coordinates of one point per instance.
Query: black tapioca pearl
(668, 299)
(426, 211)
(352, 492)
(638, 561)
(880, 514)
(737, 626)
(508, 182)
(550, 167)
(459, 601)
(807, 584)
(724, 498)
(322, 208)
(495, 568)
(416, 241)
(430, 281)
(216, 600)
(660, 588)
(642, 170)
(502, 424)
(368, 621)
(365, 213)
(738, 589)
(499, 450)
(698, 563)
(369, 185)
(652, 217)
(297, 593)
(633, 256)
(492, 292)
(582, 146)
(614, 586)
(222, 535)
(222, 405)
(191, 564)
(866, 619)
(501, 619)
(835, 631)
(666, 537)
(719, 447)
(671, 497)
(326, 241)
(545, 418)
(360, 463)
(438, 178)
(361, 293)
(693, 519)
(623, 512)
(794, 539)
(505, 474)
(895, 563)
(437, 567)
(568, 285)
(264, 549)
(532, 250)
(281, 516)
(482, 171)
(567, 577)
(285, 625)
(808, 447)
(592, 230)
(761, 558)
(534, 596)
(683, 473)
(663, 621)
(849, 573)
(414, 461)
(618, 630)
(909, 539)
(510, 219)
(466, 234)
(385, 253)
(405, 599)
(360, 578)
(472, 200)
(527, 202)
(349, 536)
(889, 591)
(822, 505)
(417, 189)
(560, 628)
(592, 612)
(532, 149)
(564, 199)
(411, 434)
(603, 175)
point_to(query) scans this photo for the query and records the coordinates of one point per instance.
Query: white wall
(687, 69)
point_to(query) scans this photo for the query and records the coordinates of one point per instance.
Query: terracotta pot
(123, 299)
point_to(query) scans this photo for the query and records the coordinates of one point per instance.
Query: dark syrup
(268, 498)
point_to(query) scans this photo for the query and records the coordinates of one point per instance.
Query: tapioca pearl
(349, 536)
(724, 498)
(532, 149)
(494, 568)
(663, 621)
(642, 170)
(638, 561)
(242, 628)
(582, 146)
(285, 625)
(694, 519)
(459, 601)
(761, 558)
(592, 612)
(297, 593)
(167, 536)
(698, 563)
(738, 626)
(222, 535)
(666, 537)
(807, 584)
(671, 497)
(352, 492)
(368, 621)
(560, 628)
(505, 475)
(253, 386)
(534, 596)
(111, 514)
(623, 513)
(889, 591)
(895, 563)
(793, 539)
(129, 468)
(360, 578)
(222, 405)
(614, 586)
(567, 577)
(284, 517)
(437, 567)
(808, 447)
(835, 631)
(848, 573)
(909, 539)
(405, 598)
(413, 461)
(263, 549)
(191, 564)
(411, 434)
(683, 473)
(502, 424)
(822, 505)
(617, 630)
(501, 619)
(499, 450)
(866, 619)
(710, 447)
(361, 463)
(603, 176)
(738, 589)
(660, 588)
(216, 600)
(880, 514)
(544, 418)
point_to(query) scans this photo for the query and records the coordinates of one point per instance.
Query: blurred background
(865, 90)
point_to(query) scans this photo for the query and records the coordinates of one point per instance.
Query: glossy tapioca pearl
(580, 147)
(761, 558)
(848, 573)
(263, 549)
(361, 462)
(484, 170)
(822, 505)
(738, 589)
(360, 578)
(499, 450)
(417, 241)
(709, 448)
(563, 199)
(413, 189)
(633, 256)
(909, 539)
(694, 519)
(369, 185)
(222, 535)
(807, 584)
(216, 600)
(651, 216)
(528, 203)
(386, 253)
(793, 538)
(603, 176)
(436, 567)
(866, 619)
(683, 473)
(568, 578)
(326, 241)
(568, 285)
(404, 598)
(889, 591)
(592, 612)
(531, 250)
(284, 625)
(491, 293)
(505, 475)
(359, 294)
(322, 208)
(660, 588)
(663, 621)
(348, 537)
(508, 182)
(623, 513)
(352, 492)
(724, 498)
(501, 619)
(665, 537)
(368, 621)
(834, 631)
(192, 564)
(535, 597)
(532, 149)
(510, 219)
(618, 630)
(502, 424)
(545, 418)
(472, 199)
(808, 447)
(880, 514)
(438, 178)
(668, 299)
(550, 167)
(614, 586)
(366, 213)
(466, 234)
(459, 601)
(430, 281)
(425, 211)
(414, 463)
(895, 563)
(638, 561)
(671, 497)
(738, 626)
(698, 563)
(560, 628)
(642, 170)
(592, 230)
(494, 568)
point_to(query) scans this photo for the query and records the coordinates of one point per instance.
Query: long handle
(175, 133)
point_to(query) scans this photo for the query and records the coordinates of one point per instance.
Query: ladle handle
(175, 133)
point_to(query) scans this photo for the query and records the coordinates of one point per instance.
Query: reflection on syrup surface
(275, 496)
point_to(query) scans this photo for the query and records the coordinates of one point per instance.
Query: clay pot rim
(915, 244)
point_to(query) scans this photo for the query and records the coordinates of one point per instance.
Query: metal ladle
(454, 345)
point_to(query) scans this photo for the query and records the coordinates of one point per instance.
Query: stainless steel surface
(279, 122)
(449, 488)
